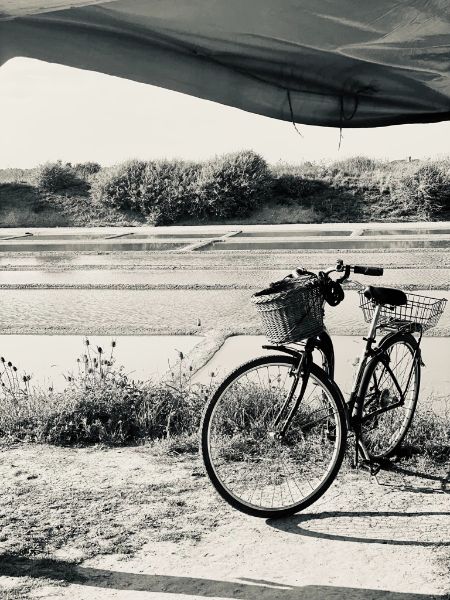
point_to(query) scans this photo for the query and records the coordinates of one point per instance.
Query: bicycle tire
(242, 438)
(374, 432)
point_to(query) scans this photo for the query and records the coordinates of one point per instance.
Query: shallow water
(49, 357)
(354, 243)
(406, 232)
(293, 233)
(435, 381)
(106, 236)
(89, 246)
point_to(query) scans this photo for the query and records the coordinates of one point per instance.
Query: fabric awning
(346, 63)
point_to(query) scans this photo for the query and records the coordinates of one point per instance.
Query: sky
(50, 112)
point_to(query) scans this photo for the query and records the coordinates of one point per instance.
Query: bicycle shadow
(298, 525)
(442, 480)
(64, 572)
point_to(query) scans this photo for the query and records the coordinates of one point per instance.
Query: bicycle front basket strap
(292, 311)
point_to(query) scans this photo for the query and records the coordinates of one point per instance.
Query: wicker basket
(291, 310)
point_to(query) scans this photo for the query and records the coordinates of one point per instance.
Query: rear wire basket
(291, 310)
(419, 310)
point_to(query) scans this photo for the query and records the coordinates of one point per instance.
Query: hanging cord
(292, 114)
(343, 117)
(341, 137)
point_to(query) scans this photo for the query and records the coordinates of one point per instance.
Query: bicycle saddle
(382, 295)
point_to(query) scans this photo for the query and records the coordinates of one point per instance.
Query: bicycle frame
(325, 345)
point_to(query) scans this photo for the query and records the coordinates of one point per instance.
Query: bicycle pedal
(375, 468)
(372, 467)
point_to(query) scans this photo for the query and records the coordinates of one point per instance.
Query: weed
(429, 437)
(100, 404)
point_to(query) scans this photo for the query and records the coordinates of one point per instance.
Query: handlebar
(357, 269)
(373, 271)
(340, 267)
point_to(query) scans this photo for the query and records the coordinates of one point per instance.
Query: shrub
(422, 192)
(287, 186)
(120, 186)
(160, 190)
(86, 169)
(356, 166)
(232, 185)
(17, 176)
(168, 189)
(54, 177)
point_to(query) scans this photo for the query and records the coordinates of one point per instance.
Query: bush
(160, 190)
(168, 189)
(232, 185)
(423, 192)
(287, 186)
(54, 177)
(120, 186)
(86, 169)
(356, 166)
(164, 191)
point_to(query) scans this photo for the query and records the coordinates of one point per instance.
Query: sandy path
(362, 541)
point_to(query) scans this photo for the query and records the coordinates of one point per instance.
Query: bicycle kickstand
(366, 460)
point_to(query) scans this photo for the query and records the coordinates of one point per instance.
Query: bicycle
(274, 433)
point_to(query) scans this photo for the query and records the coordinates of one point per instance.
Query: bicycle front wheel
(389, 391)
(256, 470)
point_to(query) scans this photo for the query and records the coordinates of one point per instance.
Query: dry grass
(100, 403)
(428, 440)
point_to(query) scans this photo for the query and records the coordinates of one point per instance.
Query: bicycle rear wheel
(257, 471)
(383, 429)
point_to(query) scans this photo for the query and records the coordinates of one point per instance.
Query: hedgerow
(241, 185)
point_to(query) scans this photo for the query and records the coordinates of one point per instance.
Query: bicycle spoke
(383, 431)
(256, 465)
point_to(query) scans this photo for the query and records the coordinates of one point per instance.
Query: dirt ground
(136, 523)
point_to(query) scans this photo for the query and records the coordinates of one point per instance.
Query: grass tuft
(100, 404)
(429, 438)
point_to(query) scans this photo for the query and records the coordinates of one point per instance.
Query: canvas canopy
(342, 63)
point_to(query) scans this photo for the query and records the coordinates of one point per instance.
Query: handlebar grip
(372, 271)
